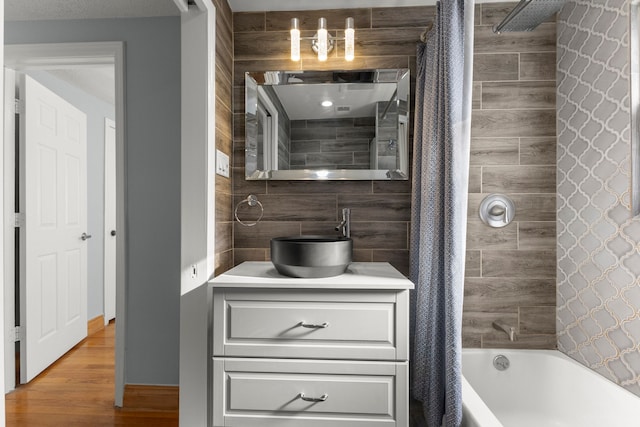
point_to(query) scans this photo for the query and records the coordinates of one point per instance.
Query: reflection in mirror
(329, 125)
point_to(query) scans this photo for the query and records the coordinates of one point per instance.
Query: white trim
(270, 131)
(198, 151)
(52, 55)
(60, 55)
(182, 5)
(3, 342)
(8, 228)
(108, 158)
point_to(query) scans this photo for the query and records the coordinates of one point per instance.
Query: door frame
(107, 293)
(8, 228)
(25, 57)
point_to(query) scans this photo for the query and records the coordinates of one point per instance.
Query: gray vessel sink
(311, 256)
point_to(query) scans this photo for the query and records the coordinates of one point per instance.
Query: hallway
(78, 390)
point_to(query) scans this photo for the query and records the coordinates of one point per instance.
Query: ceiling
(96, 82)
(260, 5)
(253, 5)
(24, 10)
(301, 101)
(30, 10)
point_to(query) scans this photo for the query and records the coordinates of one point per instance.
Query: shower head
(528, 14)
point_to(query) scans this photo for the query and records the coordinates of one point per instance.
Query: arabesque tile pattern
(598, 315)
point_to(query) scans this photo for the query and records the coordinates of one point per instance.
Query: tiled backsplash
(510, 271)
(598, 317)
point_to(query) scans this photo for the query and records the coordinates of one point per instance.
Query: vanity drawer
(309, 325)
(272, 392)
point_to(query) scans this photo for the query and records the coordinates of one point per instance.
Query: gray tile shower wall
(598, 315)
(510, 272)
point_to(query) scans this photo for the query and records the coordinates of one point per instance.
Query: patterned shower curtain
(439, 211)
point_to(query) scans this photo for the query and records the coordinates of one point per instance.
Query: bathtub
(541, 388)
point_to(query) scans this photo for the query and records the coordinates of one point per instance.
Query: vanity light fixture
(322, 42)
(349, 40)
(295, 39)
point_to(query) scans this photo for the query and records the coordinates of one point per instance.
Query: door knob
(85, 236)
(113, 232)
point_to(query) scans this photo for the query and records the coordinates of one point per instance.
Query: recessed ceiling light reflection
(326, 103)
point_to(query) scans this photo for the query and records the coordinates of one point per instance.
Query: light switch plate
(222, 163)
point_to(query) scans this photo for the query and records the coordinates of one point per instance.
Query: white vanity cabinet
(310, 352)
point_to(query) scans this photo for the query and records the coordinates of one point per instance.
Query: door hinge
(18, 106)
(18, 220)
(16, 334)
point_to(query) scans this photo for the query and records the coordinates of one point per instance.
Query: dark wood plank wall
(380, 211)
(510, 271)
(224, 134)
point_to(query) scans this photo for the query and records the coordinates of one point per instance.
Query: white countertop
(359, 275)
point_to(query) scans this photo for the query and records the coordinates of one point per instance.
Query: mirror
(327, 125)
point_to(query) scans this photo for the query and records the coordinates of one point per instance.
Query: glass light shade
(349, 40)
(323, 39)
(295, 39)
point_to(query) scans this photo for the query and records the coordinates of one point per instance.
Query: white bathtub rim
(552, 353)
(475, 412)
(625, 404)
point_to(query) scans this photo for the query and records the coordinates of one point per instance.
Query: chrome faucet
(509, 330)
(345, 225)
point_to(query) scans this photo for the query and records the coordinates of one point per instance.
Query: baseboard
(151, 398)
(95, 325)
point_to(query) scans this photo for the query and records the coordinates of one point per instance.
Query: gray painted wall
(152, 73)
(96, 111)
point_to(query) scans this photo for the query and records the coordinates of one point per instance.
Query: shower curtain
(439, 210)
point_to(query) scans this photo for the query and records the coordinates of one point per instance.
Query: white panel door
(109, 220)
(53, 247)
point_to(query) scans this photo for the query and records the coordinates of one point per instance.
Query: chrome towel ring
(251, 201)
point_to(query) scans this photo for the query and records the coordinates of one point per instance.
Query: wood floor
(78, 391)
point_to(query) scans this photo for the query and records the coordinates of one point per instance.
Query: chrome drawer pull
(314, 326)
(314, 399)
